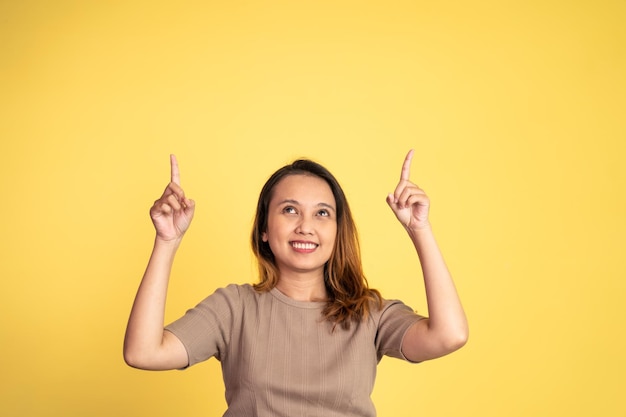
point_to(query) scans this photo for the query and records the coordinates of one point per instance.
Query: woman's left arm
(445, 330)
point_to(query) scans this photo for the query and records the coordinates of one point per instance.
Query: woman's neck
(303, 287)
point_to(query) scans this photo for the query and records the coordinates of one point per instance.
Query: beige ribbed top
(280, 359)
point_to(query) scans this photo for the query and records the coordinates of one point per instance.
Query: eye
(323, 213)
(289, 210)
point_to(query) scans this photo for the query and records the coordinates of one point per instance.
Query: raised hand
(172, 213)
(409, 203)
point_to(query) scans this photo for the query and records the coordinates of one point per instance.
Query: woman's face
(301, 225)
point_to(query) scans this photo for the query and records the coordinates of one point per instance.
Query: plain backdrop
(515, 110)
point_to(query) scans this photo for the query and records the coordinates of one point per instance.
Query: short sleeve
(394, 321)
(205, 330)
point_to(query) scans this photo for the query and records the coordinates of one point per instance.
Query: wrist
(422, 228)
(162, 242)
(423, 231)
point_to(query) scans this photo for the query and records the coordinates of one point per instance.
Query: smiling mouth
(304, 245)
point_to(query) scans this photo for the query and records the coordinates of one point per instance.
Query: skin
(304, 217)
(302, 227)
(445, 330)
(146, 344)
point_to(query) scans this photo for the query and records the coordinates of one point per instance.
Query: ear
(264, 237)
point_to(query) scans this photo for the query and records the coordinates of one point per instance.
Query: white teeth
(300, 245)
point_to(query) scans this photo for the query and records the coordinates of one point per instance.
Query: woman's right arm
(146, 344)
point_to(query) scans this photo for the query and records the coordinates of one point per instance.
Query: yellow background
(516, 112)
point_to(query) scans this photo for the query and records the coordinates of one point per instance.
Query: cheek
(331, 233)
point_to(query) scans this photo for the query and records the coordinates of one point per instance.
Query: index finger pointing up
(175, 172)
(406, 167)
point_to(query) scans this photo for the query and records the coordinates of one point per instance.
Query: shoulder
(235, 291)
(240, 295)
(392, 309)
(392, 322)
(230, 295)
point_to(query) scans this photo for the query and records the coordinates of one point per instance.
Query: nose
(305, 226)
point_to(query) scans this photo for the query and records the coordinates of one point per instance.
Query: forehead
(303, 188)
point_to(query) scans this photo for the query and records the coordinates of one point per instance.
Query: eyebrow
(296, 202)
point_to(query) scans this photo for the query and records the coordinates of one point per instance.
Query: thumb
(391, 201)
(190, 206)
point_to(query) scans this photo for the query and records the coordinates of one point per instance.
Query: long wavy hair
(349, 297)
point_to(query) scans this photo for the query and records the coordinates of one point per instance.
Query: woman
(307, 338)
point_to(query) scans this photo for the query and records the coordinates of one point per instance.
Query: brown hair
(349, 296)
